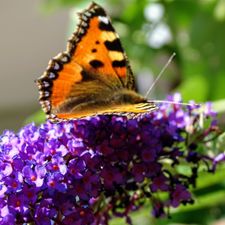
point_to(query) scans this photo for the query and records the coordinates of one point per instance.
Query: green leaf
(209, 179)
(194, 88)
(220, 144)
(219, 106)
(38, 117)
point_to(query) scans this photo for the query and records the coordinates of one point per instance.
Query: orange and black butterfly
(92, 76)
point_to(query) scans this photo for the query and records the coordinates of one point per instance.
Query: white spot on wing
(56, 66)
(103, 19)
(88, 14)
(84, 17)
(52, 75)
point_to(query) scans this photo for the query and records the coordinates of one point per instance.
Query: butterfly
(93, 76)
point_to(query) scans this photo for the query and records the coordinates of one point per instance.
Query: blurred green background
(150, 32)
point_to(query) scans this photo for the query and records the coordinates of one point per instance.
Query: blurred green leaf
(195, 87)
(219, 106)
(38, 118)
(206, 179)
(221, 143)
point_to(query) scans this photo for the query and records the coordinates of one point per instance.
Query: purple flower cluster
(86, 171)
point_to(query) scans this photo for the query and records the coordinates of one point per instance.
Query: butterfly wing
(93, 67)
(99, 49)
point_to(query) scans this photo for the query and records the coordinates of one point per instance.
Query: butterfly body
(93, 76)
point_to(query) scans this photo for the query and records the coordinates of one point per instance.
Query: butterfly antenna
(160, 74)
